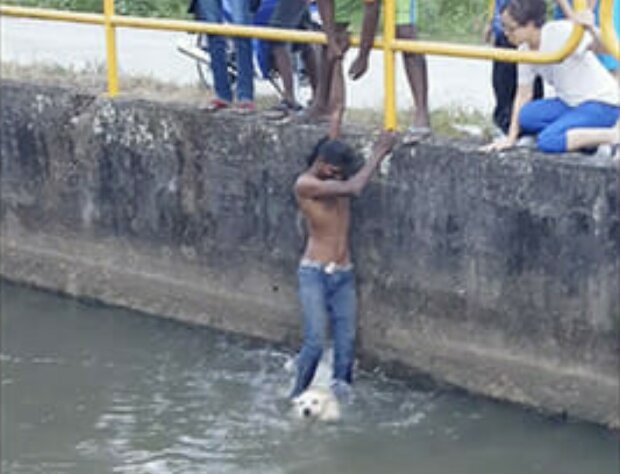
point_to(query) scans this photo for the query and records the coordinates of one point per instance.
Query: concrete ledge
(500, 274)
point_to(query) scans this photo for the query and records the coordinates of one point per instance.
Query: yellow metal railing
(389, 44)
(110, 47)
(389, 76)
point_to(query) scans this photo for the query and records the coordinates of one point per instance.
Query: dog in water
(316, 403)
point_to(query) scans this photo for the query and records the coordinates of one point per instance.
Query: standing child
(292, 14)
(331, 92)
(212, 11)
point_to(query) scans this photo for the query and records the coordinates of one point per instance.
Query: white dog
(317, 403)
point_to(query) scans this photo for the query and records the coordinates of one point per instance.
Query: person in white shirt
(586, 110)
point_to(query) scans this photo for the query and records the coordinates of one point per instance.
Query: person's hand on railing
(498, 144)
(585, 18)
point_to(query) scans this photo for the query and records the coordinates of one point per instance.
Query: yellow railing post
(389, 33)
(110, 47)
(490, 10)
(579, 5)
(608, 33)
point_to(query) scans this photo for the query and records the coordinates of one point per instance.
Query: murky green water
(87, 389)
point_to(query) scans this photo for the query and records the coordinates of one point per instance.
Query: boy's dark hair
(524, 11)
(336, 153)
(311, 158)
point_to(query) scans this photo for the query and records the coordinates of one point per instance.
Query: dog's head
(316, 404)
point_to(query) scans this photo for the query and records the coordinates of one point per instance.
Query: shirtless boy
(326, 280)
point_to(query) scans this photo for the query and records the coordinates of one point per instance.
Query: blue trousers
(550, 119)
(212, 11)
(326, 297)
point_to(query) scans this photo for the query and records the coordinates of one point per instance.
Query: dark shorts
(292, 14)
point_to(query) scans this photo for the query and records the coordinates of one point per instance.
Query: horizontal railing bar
(279, 34)
(52, 14)
(484, 52)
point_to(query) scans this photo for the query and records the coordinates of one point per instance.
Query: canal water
(91, 389)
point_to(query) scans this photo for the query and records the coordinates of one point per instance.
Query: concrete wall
(500, 274)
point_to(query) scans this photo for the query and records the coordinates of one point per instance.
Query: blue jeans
(550, 119)
(212, 11)
(326, 297)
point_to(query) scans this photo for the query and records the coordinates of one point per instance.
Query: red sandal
(216, 104)
(245, 107)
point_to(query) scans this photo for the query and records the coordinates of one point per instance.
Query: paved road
(453, 82)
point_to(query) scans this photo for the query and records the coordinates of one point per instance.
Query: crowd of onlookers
(579, 111)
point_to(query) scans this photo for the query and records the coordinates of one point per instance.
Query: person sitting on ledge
(586, 110)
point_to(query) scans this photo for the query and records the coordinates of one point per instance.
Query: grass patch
(453, 122)
(93, 79)
(460, 122)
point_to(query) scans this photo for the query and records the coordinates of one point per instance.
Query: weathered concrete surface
(500, 274)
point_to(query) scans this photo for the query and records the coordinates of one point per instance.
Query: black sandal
(282, 110)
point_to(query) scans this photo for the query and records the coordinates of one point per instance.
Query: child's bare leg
(310, 58)
(337, 96)
(320, 103)
(578, 138)
(417, 77)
